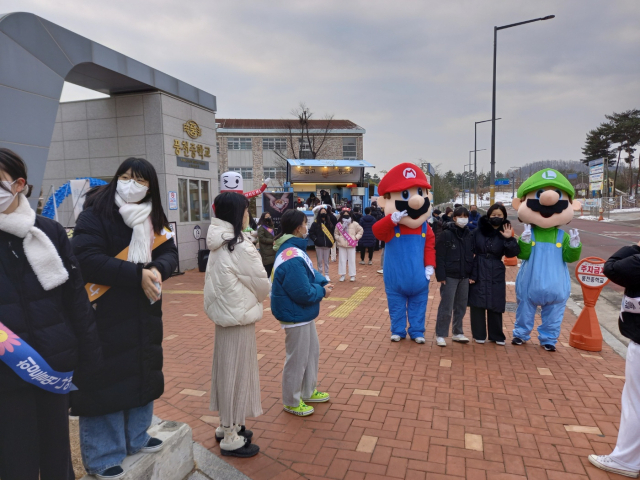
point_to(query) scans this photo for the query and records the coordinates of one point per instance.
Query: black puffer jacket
(317, 235)
(436, 225)
(454, 255)
(368, 238)
(130, 327)
(58, 324)
(623, 268)
(489, 246)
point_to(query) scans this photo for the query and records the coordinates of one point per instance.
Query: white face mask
(6, 197)
(346, 221)
(462, 221)
(131, 191)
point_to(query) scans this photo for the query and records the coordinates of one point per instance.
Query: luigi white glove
(574, 238)
(526, 234)
(428, 271)
(397, 216)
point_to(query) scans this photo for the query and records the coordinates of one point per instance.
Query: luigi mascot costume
(410, 257)
(544, 203)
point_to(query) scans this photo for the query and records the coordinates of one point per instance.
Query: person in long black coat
(492, 240)
(368, 240)
(117, 407)
(43, 304)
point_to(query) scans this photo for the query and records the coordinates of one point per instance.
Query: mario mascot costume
(410, 256)
(544, 203)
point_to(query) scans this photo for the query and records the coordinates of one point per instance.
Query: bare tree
(306, 136)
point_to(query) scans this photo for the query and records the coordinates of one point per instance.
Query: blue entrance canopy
(303, 162)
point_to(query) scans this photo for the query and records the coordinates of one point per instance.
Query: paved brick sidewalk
(402, 410)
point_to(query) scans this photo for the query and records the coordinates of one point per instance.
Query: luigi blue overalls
(543, 280)
(405, 283)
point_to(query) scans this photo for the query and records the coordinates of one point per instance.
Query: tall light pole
(475, 162)
(475, 172)
(493, 106)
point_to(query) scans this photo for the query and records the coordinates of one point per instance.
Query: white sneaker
(441, 342)
(396, 338)
(608, 464)
(500, 343)
(380, 271)
(327, 277)
(419, 340)
(370, 262)
(353, 279)
(478, 341)
(342, 278)
(460, 339)
(362, 262)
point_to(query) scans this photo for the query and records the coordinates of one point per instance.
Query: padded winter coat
(454, 255)
(265, 242)
(489, 246)
(355, 231)
(368, 238)
(130, 328)
(59, 324)
(236, 283)
(297, 291)
(623, 268)
(317, 235)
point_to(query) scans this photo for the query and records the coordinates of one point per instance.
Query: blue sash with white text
(30, 366)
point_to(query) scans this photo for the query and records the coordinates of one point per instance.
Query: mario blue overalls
(405, 283)
(543, 281)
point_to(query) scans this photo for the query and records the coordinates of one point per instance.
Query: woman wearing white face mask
(347, 234)
(454, 263)
(45, 320)
(116, 409)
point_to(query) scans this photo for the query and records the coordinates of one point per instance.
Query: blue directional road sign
(502, 181)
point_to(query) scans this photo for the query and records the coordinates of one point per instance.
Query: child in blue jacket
(296, 292)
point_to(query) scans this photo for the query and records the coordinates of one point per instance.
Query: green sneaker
(318, 397)
(301, 410)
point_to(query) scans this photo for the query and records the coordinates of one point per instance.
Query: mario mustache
(402, 205)
(547, 211)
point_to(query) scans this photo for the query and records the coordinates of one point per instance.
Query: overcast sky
(415, 74)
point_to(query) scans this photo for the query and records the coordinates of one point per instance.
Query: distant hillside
(563, 166)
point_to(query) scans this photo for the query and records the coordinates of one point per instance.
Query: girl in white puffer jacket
(236, 284)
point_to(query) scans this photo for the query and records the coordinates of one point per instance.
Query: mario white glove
(397, 216)
(574, 238)
(526, 234)
(428, 271)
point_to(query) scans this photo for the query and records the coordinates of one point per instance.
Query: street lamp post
(475, 171)
(493, 103)
(475, 160)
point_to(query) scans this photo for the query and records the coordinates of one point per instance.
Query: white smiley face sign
(231, 182)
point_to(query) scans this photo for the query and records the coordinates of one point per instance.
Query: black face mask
(402, 205)
(323, 216)
(267, 221)
(496, 221)
(547, 211)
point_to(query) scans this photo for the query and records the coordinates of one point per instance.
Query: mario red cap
(402, 177)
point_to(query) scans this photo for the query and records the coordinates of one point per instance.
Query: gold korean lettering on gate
(190, 149)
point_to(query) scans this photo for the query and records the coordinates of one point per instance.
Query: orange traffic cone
(512, 261)
(586, 333)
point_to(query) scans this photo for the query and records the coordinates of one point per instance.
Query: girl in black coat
(116, 408)
(43, 304)
(368, 240)
(492, 240)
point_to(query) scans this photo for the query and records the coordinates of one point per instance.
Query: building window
(274, 143)
(239, 143)
(279, 174)
(193, 200)
(246, 172)
(305, 148)
(349, 148)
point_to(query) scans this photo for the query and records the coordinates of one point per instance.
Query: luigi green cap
(546, 178)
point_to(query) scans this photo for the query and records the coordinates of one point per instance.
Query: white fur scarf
(137, 217)
(38, 248)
